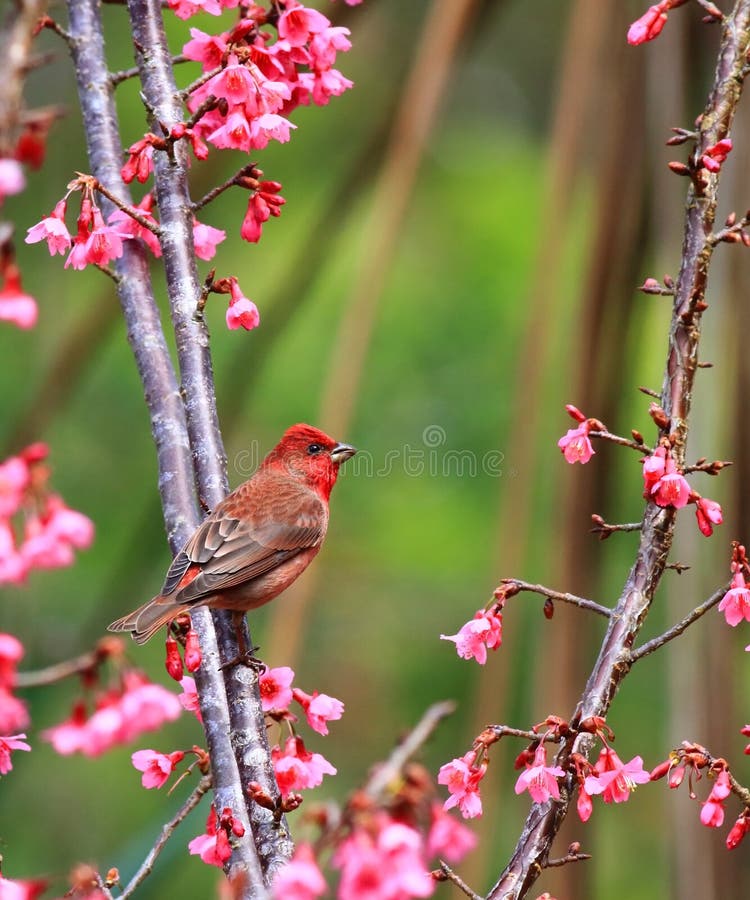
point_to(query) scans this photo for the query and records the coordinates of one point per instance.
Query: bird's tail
(144, 622)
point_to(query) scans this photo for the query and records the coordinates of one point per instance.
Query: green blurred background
(454, 311)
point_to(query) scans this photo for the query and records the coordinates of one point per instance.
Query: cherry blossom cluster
(735, 604)
(37, 529)
(381, 850)
(13, 713)
(694, 760)
(273, 60)
(663, 483)
(609, 777)
(214, 845)
(117, 715)
(485, 631)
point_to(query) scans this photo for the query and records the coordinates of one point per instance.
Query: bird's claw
(245, 658)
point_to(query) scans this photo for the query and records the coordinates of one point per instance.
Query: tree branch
(168, 413)
(246, 720)
(682, 625)
(613, 664)
(580, 602)
(167, 831)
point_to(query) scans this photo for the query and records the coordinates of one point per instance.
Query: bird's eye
(313, 449)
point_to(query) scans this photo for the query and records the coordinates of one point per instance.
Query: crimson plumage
(257, 541)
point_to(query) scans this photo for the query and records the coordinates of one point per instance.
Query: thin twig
(390, 770)
(244, 172)
(605, 529)
(80, 665)
(199, 82)
(167, 831)
(116, 78)
(710, 468)
(543, 591)
(506, 731)
(682, 625)
(450, 875)
(128, 209)
(622, 441)
(572, 857)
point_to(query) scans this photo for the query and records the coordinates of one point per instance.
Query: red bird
(257, 541)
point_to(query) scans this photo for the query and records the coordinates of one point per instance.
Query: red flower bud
(193, 656)
(173, 662)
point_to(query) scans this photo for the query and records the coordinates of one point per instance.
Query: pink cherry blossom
(296, 768)
(448, 838)
(326, 44)
(324, 84)
(104, 243)
(213, 847)
(140, 162)
(233, 134)
(12, 742)
(386, 865)
(12, 179)
(11, 889)
(120, 717)
(53, 230)
(206, 239)
(736, 602)
(576, 445)
(539, 779)
(242, 312)
(649, 25)
(193, 656)
(716, 155)
(584, 806)
(173, 661)
(614, 779)
(712, 811)
(235, 83)
(654, 467)
(265, 202)
(68, 525)
(16, 306)
(13, 712)
(300, 878)
(13, 566)
(184, 9)
(156, 767)
(672, 488)
(319, 709)
(738, 831)
(708, 513)
(11, 653)
(299, 24)
(483, 632)
(267, 127)
(14, 478)
(189, 697)
(462, 777)
(275, 687)
(207, 49)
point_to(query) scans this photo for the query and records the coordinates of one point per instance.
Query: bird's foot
(247, 658)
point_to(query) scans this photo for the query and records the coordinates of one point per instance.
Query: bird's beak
(342, 452)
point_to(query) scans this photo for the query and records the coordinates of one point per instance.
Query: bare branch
(682, 625)
(167, 831)
(390, 770)
(580, 602)
(450, 875)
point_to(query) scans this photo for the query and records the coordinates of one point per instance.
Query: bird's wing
(248, 534)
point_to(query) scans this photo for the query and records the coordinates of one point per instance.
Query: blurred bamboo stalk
(447, 22)
(577, 101)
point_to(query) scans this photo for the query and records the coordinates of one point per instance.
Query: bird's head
(311, 456)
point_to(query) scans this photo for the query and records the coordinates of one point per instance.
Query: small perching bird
(257, 541)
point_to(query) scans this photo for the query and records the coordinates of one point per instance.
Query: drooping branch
(544, 821)
(572, 599)
(247, 723)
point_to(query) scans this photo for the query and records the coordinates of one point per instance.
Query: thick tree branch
(544, 821)
(247, 722)
(166, 408)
